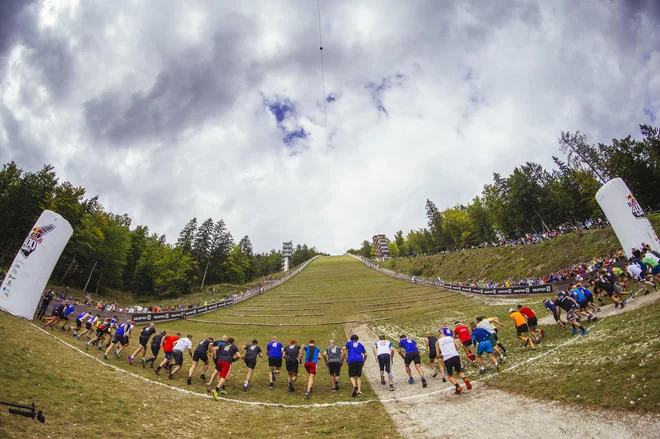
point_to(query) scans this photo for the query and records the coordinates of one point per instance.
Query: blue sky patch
(281, 109)
(651, 111)
(291, 137)
(330, 98)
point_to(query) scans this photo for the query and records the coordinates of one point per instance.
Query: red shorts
(223, 368)
(310, 367)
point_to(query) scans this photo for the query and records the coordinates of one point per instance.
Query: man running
(312, 355)
(384, 355)
(491, 325)
(431, 342)
(145, 335)
(274, 351)
(181, 345)
(121, 338)
(532, 321)
(556, 313)
(201, 353)
(292, 361)
(410, 354)
(101, 330)
(89, 326)
(567, 303)
(582, 302)
(252, 351)
(155, 349)
(522, 329)
(80, 319)
(167, 344)
(482, 339)
(448, 346)
(462, 332)
(355, 355)
(56, 316)
(224, 356)
(333, 357)
(67, 311)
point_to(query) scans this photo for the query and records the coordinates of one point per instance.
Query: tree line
(533, 199)
(124, 257)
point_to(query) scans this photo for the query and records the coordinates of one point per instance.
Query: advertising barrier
(521, 289)
(29, 273)
(182, 313)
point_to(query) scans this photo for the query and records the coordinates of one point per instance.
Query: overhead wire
(325, 109)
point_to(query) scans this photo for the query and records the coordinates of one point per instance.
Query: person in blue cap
(410, 354)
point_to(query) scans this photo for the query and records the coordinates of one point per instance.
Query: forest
(533, 199)
(120, 255)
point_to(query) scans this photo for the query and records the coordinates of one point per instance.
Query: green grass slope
(499, 264)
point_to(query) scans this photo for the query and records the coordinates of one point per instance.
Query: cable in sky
(325, 111)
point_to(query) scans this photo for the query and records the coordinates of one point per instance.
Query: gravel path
(436, 412)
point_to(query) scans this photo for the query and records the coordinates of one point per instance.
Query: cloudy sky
(170, 109)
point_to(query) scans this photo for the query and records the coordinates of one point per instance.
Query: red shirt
(463, 333)
(168, 344)
(527, 312)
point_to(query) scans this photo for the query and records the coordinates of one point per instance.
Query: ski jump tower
(287, 254)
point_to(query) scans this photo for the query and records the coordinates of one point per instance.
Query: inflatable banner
(626, 216)
(28, 275)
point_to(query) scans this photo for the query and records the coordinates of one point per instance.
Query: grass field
(500, 264)
(81, 398)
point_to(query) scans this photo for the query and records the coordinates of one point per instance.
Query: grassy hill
(499, 264)
(83, 398)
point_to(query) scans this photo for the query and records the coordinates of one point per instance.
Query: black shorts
(203, 356)
(155, 349)
(178, 357)
(99, 332)
(334, 368)
(453, 364)
(355, 369)
(292, 366)
(584, 303)
(467, 343)
(251, 363)
(412, 357)
(144, 341)
(275, 362)
(121, 339)
(88, 325)
(432, 356)
(78, 324)
(532, 321)
(522, 329)
(385, 362)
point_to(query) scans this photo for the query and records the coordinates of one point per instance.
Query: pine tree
(187, 235)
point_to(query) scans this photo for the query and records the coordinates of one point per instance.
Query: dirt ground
(437, 412)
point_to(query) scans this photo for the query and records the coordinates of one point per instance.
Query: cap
(511, 310)
(447, 332)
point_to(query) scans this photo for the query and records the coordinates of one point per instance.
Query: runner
(491, 325)
(583, 303)
(224, 356)
(551, 307)
(101, 330)
(90, 325)
(82, 317)
(333, 357)
(202, 352)
(532, 322)
(67, 311)
(431, 342)
(292, 361)
(567, 303)
(384, 355)
(250, 357)
(155, 349)
(448, 346)
(121, 337)
(312, 355)
(167, 344)
(522, 329)
(181, 345)
(482, 339)
(463, 334)
(410, 354)
(274, 350)
(56, 316)
(145, 335)
(355, 355)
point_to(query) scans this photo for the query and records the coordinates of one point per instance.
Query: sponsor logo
(635, 208)
(35, 238)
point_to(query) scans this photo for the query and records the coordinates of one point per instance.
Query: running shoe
(584, 331)
(537, 341)
(144, 363)
(616, 305)
(88, 337)
(334, 388)
(307, 395)
(203, 377)
(444, 379)
(116, 355)
(542, 333)
(382, 380)
(502, 359)
(245, 388)
(157, 370)
(411, 380)
(170, 376)
(271, 386)
(482, 371)
(354, 392)
(337, 382)
(391, 388)
(189, 381)
(622, 304)
(533, 348)
(77, 337)
(423, 382)
(468, 384)
(595, 318)
(631, 294)
(435, 373)
(358, 395)
(87, 345)
(459, 389)
(574, 331)
(499, 367)
(214, 392)
(223, 391)
(105, 356)
(208, 387)
(291, 388)
(130, 360)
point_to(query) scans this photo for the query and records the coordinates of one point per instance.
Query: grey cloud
(14, 21)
